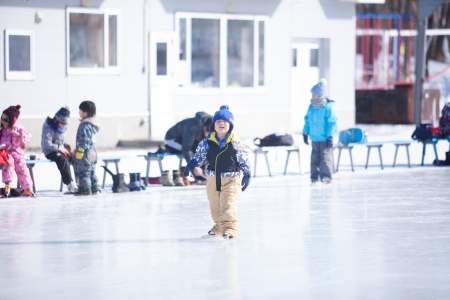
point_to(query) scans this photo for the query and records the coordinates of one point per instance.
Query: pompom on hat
(225, 114)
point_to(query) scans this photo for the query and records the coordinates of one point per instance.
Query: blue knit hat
(62, 115)
(319, 89)
(225, 114)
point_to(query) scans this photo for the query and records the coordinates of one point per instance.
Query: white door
(305, 73)
(161, 83)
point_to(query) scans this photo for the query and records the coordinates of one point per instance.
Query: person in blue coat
(320, 126)
(85, 153)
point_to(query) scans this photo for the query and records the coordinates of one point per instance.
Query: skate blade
(207, 236)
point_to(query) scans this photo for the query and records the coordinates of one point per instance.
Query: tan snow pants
(223, 204)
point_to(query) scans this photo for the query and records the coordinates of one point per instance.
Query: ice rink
(369, 235)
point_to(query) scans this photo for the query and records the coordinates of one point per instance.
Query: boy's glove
(188, 169)
(245, 181)
(330, 142)
(305, 138)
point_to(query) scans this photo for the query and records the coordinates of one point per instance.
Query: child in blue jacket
(85, 153)
(320, 125)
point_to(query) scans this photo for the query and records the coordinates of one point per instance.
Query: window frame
(19, 75)
(106, 69)
(223, 59)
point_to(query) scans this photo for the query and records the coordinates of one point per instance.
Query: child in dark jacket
(85, 153)
(53, 147)
(227, 171)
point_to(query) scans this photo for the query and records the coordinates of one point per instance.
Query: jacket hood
(91, 121)
(202, 116)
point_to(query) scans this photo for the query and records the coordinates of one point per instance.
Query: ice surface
(369, 235)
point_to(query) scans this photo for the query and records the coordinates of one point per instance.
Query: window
(92, 37)
(261, 50)
(314, 57)
(205, 57)
(220, 50)
(161, 59)
(294, 57)
(240, 53)
(19, 51)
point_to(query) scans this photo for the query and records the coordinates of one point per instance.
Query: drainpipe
(145, 56)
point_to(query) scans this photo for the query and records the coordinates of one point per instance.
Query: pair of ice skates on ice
(227, 234)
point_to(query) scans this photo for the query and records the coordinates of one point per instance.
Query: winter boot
(166, 179)
(7, 190)
(142, 182)
(27, 193)
(228, 235)
(214, 231)
(326, 180)
(119, 185)
(177, 179)
(135, 183)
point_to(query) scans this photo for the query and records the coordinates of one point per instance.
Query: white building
(149, 63)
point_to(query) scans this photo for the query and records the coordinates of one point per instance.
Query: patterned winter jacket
(51, 140)
(14, 139)
(228, 158)
(85, 152)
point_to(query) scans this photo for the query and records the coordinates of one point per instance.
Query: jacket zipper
(220, 153)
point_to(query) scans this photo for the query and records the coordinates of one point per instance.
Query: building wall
(261, 111)
(123, 105)
(122, 101)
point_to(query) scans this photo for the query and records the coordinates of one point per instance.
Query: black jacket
(188, 133)
(221, 160)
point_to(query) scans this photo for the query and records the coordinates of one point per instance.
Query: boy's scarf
(319, 102)
(54, 125)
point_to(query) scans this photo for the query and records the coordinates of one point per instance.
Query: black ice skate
(228, 236)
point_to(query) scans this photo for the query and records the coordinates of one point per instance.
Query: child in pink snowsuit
(14, 138)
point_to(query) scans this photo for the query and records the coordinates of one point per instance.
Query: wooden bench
(424, 148)
(265, 151)
(106, 162)
(341, 147)
(399, 144)
(30, 165)
(378, 146)
(149, 157)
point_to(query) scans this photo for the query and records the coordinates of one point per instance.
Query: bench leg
(32, 178)
(286, 164)
(104, 176)
(61, 186)
(424, 150)
(117, 167)
(267, 163)
(160, 166)
(381, 158)
(367, 158)
(338, 160)
(407, 156)
(147, 171)
(435, 151)
(351, 158)
(395, 156)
